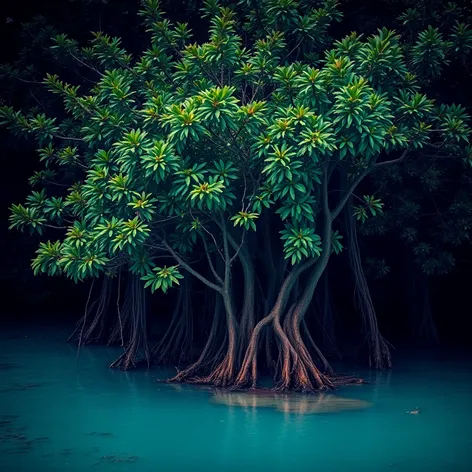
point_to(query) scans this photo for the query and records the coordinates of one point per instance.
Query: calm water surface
(60, 413)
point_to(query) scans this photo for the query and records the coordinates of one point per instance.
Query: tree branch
(190, 270)
(235, 245)
(210, 262)
(345, 198)
(393, 161)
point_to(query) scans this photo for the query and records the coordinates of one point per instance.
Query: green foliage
(169, 147)
(370, 205)
(163, 278)
(300, 243)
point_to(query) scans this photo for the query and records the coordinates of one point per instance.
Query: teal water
(60, 413)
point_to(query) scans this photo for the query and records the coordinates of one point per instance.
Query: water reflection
(293, 403)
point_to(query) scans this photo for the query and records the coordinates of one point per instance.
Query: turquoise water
(60, 413)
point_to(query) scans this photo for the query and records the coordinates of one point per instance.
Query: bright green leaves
(374, 205)
(54, 208)
(339, 69)
(263, 200)
(300, 243)
(77, 235)
(75, 201)
(22, 216)
(351, 102)
(218, 108)
(120, 187)
(116, 85)
(245, 219)
(298, 208)
(159, 160)
(317, 137)
(395, 138)
(371, 205)
(81, 262)
(349, 46)
(108, 52)
(184, 123)
(285, 77)
(162, 278)
(188, 174)
(37, 199)
(38, 211)
(131, 235)
(117, 234)
(46, 153)
(207, 194)
(66, 156)
(108, 229)
(69, 93)
(417, 106)
(312, 85)
(43, 127)
(48, 259)
(224, 170)
(363, 117)
(133, 143)
(78, 263)
(206, 189)
(279, 165)
(144, 205)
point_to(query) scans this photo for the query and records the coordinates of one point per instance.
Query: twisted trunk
(298, 370)
(247, 375)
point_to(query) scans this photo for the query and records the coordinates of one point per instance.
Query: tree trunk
(247, 375)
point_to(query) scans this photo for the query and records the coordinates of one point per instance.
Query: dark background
(27, 297)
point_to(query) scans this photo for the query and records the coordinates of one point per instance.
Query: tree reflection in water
(290, 403)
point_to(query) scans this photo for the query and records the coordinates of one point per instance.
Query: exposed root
(176, 344)
(137, 346)
(208, 358)
(96, 314)
(379, 352)
(324, 362)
